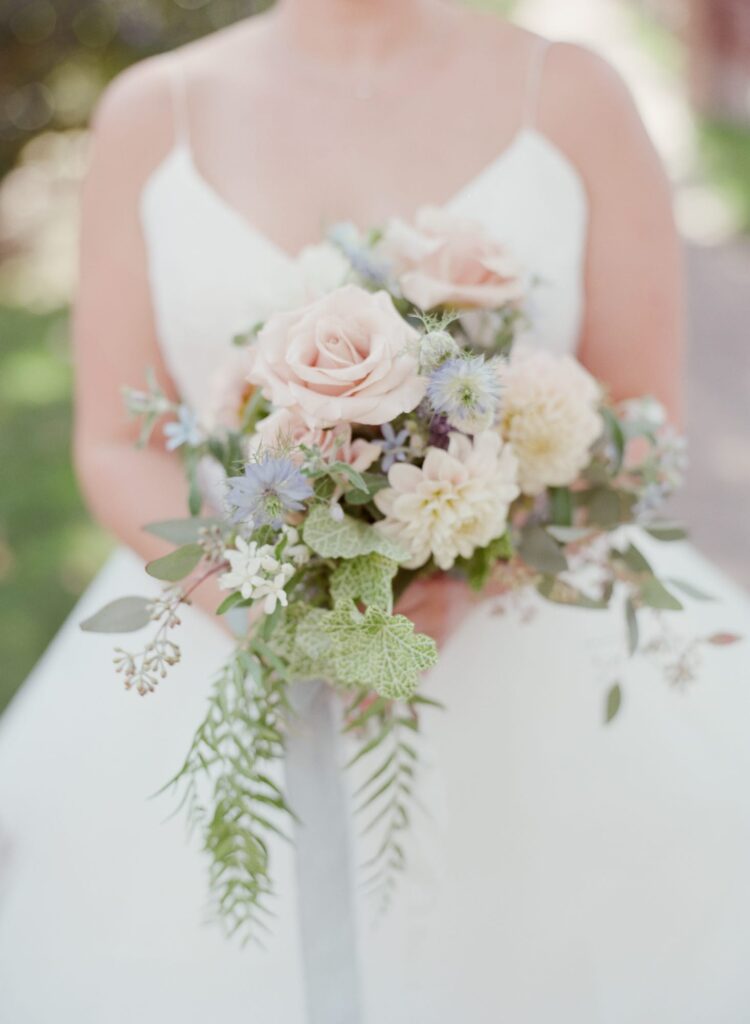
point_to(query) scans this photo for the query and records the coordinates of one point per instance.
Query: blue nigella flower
(183, 430)
(394, 445)
(363, 262)
(267, 489)
(466, 391)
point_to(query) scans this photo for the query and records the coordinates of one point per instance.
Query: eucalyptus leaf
(125, 615)
(540, 551)
(560, 592)
(177, 564)
(635, 561)
(182, 531)
(614, 703)
(561, 506)
(666, 531)
(631, 622)
(654, 594)
(603, 506)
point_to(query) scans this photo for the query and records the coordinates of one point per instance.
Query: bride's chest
(214, 273)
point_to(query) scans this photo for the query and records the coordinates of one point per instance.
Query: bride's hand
(437, 606)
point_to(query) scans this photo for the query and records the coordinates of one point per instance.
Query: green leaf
(634, 560)
(177, 564)
(570, 534)
(614, 703)
(182, 531)
(561, 506)
(603, 506)
(125, 615)
(346, 538)
(479, 566)
(377, 650)
(367, 578)
(615, 435)
(229, 602)
(667, 531)
(654, 594)
(560, 592)
(631, 622)
(344, 469)
(540, 551)
(690, 590)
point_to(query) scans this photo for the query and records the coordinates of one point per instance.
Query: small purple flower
(440, 431)
(394, 445)
(183, 430)
(267, 489)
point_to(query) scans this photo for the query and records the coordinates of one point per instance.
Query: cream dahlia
(456, 502)
(550, 416)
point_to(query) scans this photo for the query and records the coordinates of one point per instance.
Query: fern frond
(226, 789)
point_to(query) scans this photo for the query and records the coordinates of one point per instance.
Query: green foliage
(540, 551)
(725, 151)
(124, 615)
(182, 531)
(560, 592)
(177, 564)
(478, 568)
(226, 786)
(389, 761)
(367, 578)
(614, 703)
(49, 549)
(376, 650)
(346, 538)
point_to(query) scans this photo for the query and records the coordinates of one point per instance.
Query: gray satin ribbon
(323, 855)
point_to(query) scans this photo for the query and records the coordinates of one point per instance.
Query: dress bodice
(214, 275)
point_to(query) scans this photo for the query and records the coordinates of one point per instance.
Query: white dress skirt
(563, 869)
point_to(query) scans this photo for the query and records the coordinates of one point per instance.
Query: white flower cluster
(258, 574)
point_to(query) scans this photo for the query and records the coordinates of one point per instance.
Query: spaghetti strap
(178, 90)
(534, 82)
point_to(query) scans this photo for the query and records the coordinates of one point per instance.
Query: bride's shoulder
(586, 108)
(140, 106)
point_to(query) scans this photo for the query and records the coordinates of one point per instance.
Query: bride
(598, 873)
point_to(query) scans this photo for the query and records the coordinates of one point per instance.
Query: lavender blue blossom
(467, 392)
(347, 238)
(267, 489)
(183, 430)
(395, 446)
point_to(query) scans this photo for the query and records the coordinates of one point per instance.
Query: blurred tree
(56, 57)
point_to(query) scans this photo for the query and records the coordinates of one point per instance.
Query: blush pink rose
(348, 357)
(444, 260)
(286, 430)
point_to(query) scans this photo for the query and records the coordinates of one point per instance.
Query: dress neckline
(181, 151)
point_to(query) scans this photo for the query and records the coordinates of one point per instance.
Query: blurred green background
(56, 58)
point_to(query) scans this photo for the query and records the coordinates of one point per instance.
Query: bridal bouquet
(392, 426)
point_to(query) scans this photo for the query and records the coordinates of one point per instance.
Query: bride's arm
(633, 331)
(114, 335)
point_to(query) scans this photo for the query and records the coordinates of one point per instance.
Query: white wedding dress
(567, 871)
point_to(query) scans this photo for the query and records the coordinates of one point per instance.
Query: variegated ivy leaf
(347, 537)
(377, 650)
(299, 640)
(367, 578)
